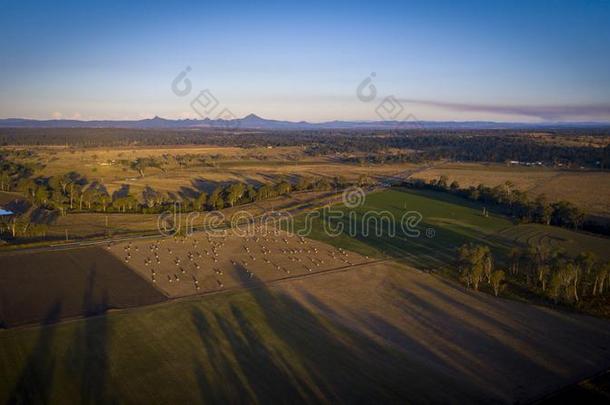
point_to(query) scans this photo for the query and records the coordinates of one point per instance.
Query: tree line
(416, 145)
(71, 192)
(508, 200)
(546, 271)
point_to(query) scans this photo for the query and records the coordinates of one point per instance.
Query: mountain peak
(252, 117)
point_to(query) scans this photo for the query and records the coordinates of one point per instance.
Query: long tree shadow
(252, 354)
(524, 324)
(323, 361)
(36, 380)
(87, 359)
(475, 341)
(223, 383)
(404, 340)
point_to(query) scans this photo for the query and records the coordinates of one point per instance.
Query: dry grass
(224, 164)
(6, 197)
(589, 190)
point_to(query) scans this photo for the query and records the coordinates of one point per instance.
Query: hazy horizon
(373, 120)
(476, 61)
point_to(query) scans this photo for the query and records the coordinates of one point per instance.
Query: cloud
(544, 112)
(57, 115)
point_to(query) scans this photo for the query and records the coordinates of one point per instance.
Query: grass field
(453, 221)
(377, 334)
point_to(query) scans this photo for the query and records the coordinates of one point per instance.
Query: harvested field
(200, 263)
(68, 283)
(588, 189)
(495, 347)
(473, 174)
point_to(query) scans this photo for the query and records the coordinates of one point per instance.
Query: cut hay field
(382, 333)
(589, 190)
(376, 332)
(88, 281)
(200, 263)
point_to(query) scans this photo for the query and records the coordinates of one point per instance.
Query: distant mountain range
(253, 122)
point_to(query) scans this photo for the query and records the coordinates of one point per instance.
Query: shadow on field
(30, 284)
(514, 327)
(86, 359)
(87, 356)
(294, 354)
(205, 185)
(458, 337)
(418, 251)
(35, 382)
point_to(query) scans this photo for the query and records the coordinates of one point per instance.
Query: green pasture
(446, 223)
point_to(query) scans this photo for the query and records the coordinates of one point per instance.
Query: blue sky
(442, 60)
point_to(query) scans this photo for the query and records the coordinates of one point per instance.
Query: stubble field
(201, 263)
